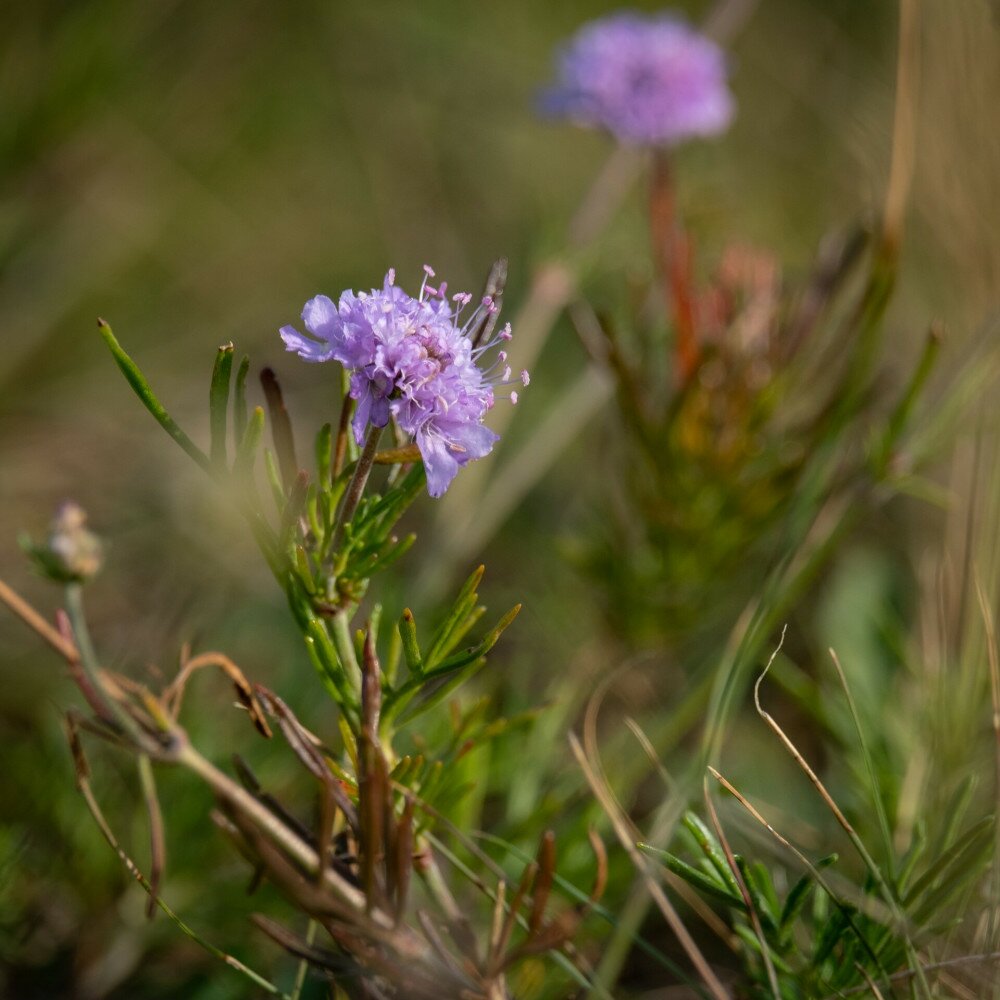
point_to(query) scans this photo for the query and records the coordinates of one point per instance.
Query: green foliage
(823, 941)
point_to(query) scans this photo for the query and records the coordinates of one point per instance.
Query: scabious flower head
(412, 359)
(650, 81)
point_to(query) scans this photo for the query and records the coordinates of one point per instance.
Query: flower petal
(439, 463)
(306, 348)
(320, 317)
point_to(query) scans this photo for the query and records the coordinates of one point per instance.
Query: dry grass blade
(885, 890)
(621, 828)
(872, 985)
(809, 866)
(650, 751)
(765, 950)
(790, 746)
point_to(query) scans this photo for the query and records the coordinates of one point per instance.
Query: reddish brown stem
(673, 256)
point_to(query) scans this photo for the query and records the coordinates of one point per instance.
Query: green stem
(90, 664)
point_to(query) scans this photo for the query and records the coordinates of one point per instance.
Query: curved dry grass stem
(621, 827)
(809, 866)
(758, 929)
(886, 891)
(173, 696)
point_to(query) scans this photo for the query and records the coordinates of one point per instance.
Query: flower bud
(71, 552)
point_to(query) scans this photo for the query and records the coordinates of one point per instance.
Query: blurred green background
(193, 172)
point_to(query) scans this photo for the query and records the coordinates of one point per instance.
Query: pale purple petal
(320, 317)
(306, 348)
(439, 463)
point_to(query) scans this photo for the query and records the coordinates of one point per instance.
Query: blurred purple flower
(650, 81)
(410, 358)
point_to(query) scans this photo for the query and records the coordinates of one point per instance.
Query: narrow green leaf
(757, 898)
(247, 452)
(293, 510)
(312, 512)
(393, 655)
(218, 404)
(411, 648)
(282, 436)
(799, 895)
(963, 863)
(766, 885)
(712, 850)
(466, 600)
(831, 933)
(274, 479)
(474, 652)
(437, 690)
(303, 570)
(240, 410)
(699, 880)
(914, 853)
(142, 389)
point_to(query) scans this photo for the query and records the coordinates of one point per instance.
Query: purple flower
(411, 359)
(650, 81)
